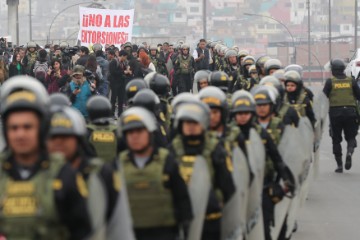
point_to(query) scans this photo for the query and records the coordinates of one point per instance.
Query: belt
(213, 216)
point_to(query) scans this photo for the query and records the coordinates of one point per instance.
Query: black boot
(339, 162)
(348, 161)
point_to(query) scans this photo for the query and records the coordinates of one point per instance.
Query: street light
(282, 24)
(74, 5)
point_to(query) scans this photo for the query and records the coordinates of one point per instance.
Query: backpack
(40, 71)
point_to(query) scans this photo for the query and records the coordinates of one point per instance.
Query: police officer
(296, 96)
(342, 92)
(184, 70)
(284, 111)
(272, 65)
(192, 122)
(201, 80)
(219, 112)
(41, 198)
(220, 63)
(133, 87)
(245, 81)
(243, 113)
(102, 131)
(233, 67)
(158, 62)
(147, 99)
(299, 69)
(59, 99)
(160, 85)
(158, 196)
(30, 57)
(260, 66)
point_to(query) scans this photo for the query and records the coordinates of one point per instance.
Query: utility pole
(309, 41)
(13, 20)
(204, 19)
(30, 21)
(356, 26)
(330, 30)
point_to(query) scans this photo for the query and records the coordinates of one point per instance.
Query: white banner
(105, 26)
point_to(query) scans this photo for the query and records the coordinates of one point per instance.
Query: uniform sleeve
(327, 87)
(107, 175)
(309, 111)
(71, 205)
(176, 184)
(356, 89)
(273, 153)
(223, 166)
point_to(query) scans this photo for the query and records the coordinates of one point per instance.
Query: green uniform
(150, 202)
(299, 105)
(103, 138)
(28, 209)
(185, 65)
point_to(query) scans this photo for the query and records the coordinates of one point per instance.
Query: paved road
(332, 210)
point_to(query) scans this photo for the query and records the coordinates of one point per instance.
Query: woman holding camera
(54, 76)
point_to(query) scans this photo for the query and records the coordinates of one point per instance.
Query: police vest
(104, 140)
(154, 60)
(299, 105)
(341, 93)
(186, 162)
(151, 203)
(31, 60)
(184, 65)
(283, 110)
(28, 209)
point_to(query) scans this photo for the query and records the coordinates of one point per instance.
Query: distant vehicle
(353, 67)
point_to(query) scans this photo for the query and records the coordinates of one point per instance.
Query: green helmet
(98, 107)
(198, 112)
(296, 68)
(159, 83)
(25, 93)
(185, 46)
(264, 95)
(272, 64)
(242, 101)
(133, 87)
(201, 75)
(64, 45)
(260, 62)
(243, 53)
(68, 121)
(215, 98)
(248, 60)
(293, 76)
(230, 53)
(274, 82)
(97, 47)
(219, 79)
(127, 44)
(279, 74)
(31, 44)
(137, 117)
(153, 47)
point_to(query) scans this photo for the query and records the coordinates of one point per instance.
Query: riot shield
(254, 216)
(120, 225)
(233, 221)
(2, 139)
(199, 189)
(294, 158)
(97, 206)
(307, 134)
(195, 89)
